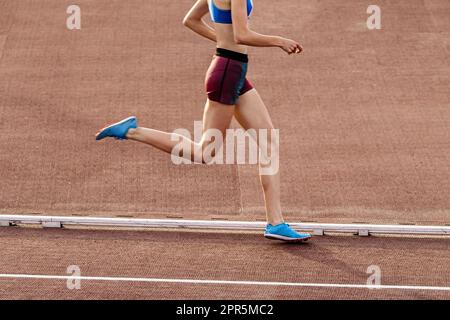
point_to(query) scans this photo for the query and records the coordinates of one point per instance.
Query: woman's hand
(290, 46)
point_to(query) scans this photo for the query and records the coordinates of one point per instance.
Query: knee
(205, 152)
(209, 152)
(269, 162)
(275, 147)
(270, 149)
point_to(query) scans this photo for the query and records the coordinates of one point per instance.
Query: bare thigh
(217, 116)
(251, 112)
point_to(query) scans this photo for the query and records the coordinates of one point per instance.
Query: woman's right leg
(215, 116)
(251, 113)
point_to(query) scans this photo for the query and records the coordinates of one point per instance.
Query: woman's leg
(251, 113)
(216, 116)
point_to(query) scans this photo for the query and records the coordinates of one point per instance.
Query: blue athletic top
(224, 16)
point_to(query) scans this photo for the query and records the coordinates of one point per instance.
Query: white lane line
(222, 282)
(317, 228)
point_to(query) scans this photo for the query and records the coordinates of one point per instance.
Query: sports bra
(224, 16)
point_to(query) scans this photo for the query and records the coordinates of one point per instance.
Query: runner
(229, 93)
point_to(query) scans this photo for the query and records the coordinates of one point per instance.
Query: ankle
(132, 132)
(275, 222)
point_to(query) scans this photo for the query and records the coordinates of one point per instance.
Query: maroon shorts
(226, 77)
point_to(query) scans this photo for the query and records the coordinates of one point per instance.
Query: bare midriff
(225, 38)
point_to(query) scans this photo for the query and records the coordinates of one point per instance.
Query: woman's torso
(224, 31)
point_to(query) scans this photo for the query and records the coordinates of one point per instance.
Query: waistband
(232, 55)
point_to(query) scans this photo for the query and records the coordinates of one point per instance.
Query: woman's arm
(243, 35)
(193, 20)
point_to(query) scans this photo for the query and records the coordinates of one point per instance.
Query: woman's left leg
(215, 116)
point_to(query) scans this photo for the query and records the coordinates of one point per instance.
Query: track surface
(364, 118)
(217, 256)
(364, 115)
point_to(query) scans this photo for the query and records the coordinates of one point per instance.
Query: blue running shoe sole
(105, 132)
(285, 239)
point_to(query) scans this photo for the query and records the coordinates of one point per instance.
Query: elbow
(240, 38)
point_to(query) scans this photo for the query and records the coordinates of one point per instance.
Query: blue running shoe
(284, 232)
(117, 130)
